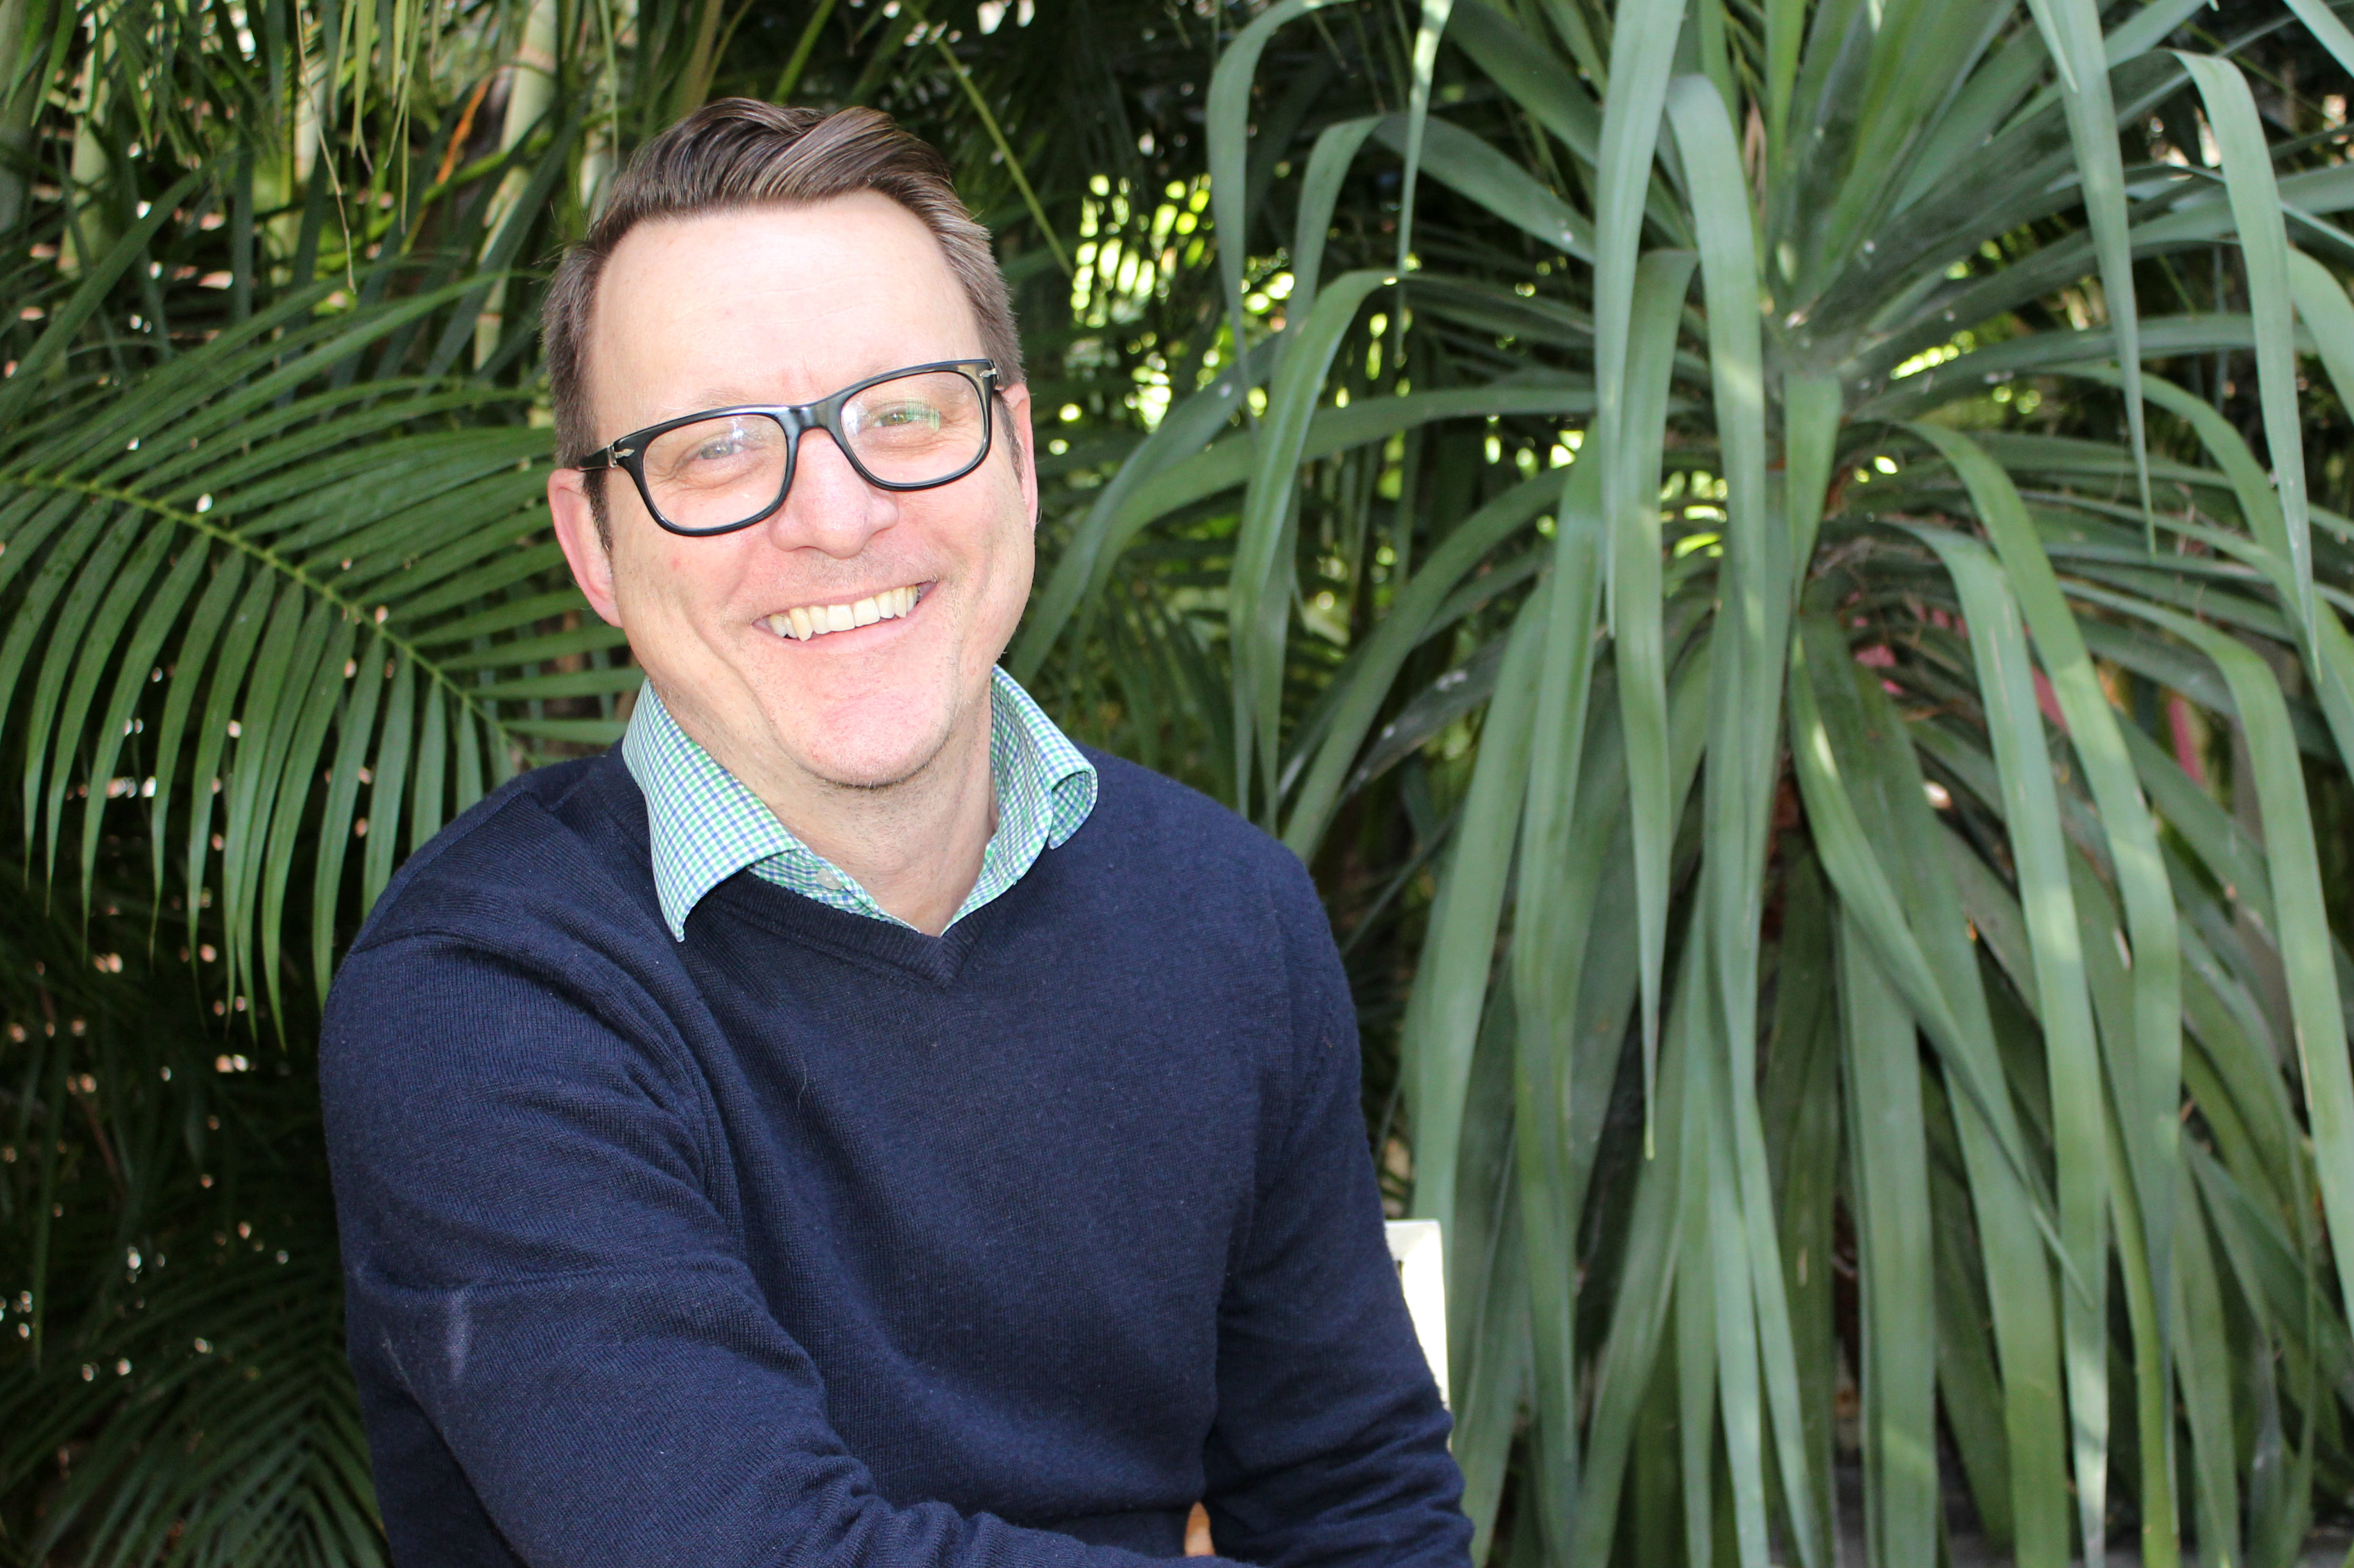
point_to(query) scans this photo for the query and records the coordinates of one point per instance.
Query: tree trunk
(89, 232)
(19, 100)
(531, 93)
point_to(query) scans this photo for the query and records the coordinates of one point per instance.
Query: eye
(904, 414)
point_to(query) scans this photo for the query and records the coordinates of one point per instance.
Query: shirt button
(829, 880)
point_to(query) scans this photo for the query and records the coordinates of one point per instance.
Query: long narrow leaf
(2264, 246)
(1450, 985)
(2072, 1049)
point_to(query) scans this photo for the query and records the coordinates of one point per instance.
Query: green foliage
(1869, 576)
(175, 1383)
(1793, 606)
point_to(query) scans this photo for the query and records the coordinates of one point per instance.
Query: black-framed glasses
(727, 469)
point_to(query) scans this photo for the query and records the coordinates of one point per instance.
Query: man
(850, 1124)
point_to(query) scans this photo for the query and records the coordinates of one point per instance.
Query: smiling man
(848, 1123)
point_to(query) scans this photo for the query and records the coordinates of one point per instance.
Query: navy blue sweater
(815, 1240)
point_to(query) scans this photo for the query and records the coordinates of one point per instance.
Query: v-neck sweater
(812, 1239)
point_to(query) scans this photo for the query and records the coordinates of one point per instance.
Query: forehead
(782, 303)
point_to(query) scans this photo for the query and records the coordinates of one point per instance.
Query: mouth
(803, 622)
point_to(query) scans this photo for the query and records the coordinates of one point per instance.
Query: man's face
(788, 304)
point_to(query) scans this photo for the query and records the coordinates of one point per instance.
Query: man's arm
(537, 1262)
(1331, 1442)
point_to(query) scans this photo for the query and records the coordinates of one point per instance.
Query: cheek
(1013, 557)
(1001, 553)
(1015, 537)
(1020, 555)
(666, 582)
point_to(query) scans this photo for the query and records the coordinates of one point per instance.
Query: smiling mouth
(805, 621)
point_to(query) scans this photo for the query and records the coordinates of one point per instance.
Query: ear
(1026, 463)
(584, 550)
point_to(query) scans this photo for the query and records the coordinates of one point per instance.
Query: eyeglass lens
(910, 431)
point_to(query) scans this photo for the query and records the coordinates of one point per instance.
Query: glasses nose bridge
(812, 418)
(821, 417)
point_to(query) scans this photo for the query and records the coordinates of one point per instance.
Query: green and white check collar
(707, 825)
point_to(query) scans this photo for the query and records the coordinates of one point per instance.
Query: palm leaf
(271, 591)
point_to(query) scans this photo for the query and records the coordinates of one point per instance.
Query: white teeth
(805, 621)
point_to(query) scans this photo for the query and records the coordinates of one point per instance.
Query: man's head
(752, 254)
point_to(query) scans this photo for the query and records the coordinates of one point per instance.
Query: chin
(876, 767)
(865, 779)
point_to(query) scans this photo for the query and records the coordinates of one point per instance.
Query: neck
(915, 846)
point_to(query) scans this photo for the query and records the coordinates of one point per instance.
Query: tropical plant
(176, 1384)
(1693, 701)
(1836, 877)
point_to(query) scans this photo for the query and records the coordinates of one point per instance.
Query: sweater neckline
(885, 947)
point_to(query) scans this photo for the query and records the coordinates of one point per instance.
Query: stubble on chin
(906, 775)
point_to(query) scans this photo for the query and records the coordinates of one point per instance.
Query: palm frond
(350, 582)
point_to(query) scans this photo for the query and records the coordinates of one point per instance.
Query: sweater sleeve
(1330, 1445)
(551, 1318)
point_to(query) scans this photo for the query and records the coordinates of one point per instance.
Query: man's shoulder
(1138, 807)
(1147, 827)
(567, 836)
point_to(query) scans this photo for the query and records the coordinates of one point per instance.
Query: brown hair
(739, 153)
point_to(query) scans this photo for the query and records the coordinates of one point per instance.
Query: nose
(830, 506)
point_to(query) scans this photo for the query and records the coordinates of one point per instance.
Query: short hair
(739, 153)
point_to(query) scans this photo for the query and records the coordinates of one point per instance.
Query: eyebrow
(720, 397)
(703, 402)
(738, 397)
